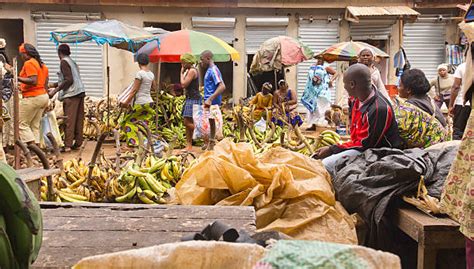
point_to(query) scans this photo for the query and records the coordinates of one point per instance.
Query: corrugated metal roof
(353, 13)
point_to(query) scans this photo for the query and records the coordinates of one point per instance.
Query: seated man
(372, 120)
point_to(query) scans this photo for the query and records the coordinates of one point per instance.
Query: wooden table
(431, 233)
(74, 231)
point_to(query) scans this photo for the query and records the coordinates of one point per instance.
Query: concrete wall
(122, 67)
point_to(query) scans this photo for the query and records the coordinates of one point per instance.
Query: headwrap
(22, 49)
(3, 43)
(442, 66)
(369, 49)
(267, 85)
(188, 58)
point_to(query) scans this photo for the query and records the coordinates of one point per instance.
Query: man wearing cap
(72, 94)
(214, 87)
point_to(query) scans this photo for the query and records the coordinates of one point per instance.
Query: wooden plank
(414, 223)
(151, 224)
(36, 173)
(164, 211)
(65, 257)
(426, 221)
(109, 239)
(74, 231)
(426, 258)
(443, 239)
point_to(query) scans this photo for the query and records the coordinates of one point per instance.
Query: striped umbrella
(174, 44)
(346, 51)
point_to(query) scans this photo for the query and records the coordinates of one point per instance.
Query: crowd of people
(413, 119)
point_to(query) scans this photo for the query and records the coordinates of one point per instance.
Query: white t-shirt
(143, 95)
(459, 73)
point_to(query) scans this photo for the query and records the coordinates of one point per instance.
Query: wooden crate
(75, 231)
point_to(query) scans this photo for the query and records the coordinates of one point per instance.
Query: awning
(354, 13)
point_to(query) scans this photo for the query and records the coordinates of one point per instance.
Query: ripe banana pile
(91, 129)
(21, 223)
(328, 138)
(146, 184)
(73, 184)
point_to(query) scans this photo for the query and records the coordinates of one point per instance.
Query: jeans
(330, 162)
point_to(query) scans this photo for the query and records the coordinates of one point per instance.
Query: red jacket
(372, 125)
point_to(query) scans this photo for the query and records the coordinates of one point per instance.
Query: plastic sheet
(291, 193)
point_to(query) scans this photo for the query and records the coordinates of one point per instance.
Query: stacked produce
(75, 185)
(328, 138)
(146, 183)
(21, 224)
(170, 118)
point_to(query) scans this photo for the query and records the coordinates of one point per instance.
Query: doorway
(380, 63)
(12, 31)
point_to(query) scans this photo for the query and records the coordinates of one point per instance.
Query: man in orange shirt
(34, 80)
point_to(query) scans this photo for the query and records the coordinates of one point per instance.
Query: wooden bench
(32, 175)
(431, 233)
(74, 231)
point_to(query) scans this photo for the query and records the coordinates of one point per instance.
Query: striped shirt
(373, 125)
(212, 78)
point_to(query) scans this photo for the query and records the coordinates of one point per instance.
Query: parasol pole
(16, 115)
(108, 84)
(158, 81)
(275, 77)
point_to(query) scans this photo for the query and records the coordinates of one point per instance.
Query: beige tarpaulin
(291, 193)
(189, 255)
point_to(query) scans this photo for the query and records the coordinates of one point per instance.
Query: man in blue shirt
(213, 88)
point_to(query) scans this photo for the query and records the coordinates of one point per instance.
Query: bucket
(392, 90)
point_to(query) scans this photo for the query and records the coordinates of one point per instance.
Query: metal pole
(158, 81)
(16, 114)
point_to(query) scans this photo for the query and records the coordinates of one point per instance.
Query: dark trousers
(461, 115)
(74, 111)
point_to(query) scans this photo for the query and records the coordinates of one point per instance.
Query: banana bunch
(170, 109)
(21, 223)
(73, 184)
(328, 138)
(91, 129)
(175, 135)
(146, 184)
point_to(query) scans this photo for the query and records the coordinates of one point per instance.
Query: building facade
(244, 24)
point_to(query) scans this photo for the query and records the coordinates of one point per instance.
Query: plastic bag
(49, 124)
(261, 125)
(291, 193)
(201, 121)
(189, 255)
(314, 254)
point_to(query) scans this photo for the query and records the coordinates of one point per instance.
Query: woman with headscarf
(141, 109)
(33, 80)
(317, 96)
(420, 122)
(189, 78)
(367, 57)
(441, 86)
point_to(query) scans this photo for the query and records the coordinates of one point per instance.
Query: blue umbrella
(111, 32)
